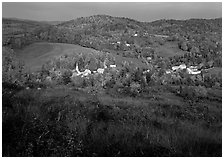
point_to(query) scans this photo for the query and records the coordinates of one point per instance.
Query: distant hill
(127, 37)
(19, 32)
(12, 26)
(52, 22)
(194, 26)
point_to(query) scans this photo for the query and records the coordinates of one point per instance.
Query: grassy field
(169, 49)
(36, 54)
(64, 121)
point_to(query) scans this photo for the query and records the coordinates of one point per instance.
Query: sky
(141, 11)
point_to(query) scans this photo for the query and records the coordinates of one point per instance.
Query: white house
(147, 71)
(193, 71)
(136, 35)
(128, 45)
(182, 66)
(86, 72)
(195, 68)
(174, 68)
(149, 58)
(100, 70)
(168, 71)
(113, 66)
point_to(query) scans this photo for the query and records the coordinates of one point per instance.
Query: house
(193, 71)
(168, 71)
(100, 70)
(193, 67)
(113, 66)
(86, 72)
(180, 67)
(135, 34)
(128, 45)
(174, 68)
(149, 58)
(145, 72)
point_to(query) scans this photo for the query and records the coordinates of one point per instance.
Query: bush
(66, 74)
(183, 45)
(78, 81)
(193, 92)
(135, 88)
(12, 69)
(200, 91)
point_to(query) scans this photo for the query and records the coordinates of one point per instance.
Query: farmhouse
(113, 66)
(86, 72)
(149, 58)
(100, 70)
(193, 71)
(180, 67)
(168, 71)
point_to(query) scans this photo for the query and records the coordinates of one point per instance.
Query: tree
(66, 76)
(12, 69)
(183, 45)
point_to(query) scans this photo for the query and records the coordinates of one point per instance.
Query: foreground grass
(64, 122)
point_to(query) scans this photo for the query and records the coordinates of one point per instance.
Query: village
(110, 68)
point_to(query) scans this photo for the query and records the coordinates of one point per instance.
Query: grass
(37, 54)
(169, 49)
(69, 122)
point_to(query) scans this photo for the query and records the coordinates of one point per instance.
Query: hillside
(103, 23)
(37, 54)
(19, 32)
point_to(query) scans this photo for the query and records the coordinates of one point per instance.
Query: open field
(37, 54)
(169, 49)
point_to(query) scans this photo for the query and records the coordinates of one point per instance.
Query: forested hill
(103, 32)
(103, 22)
(197, 26)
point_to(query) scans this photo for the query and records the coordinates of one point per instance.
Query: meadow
(66, 121)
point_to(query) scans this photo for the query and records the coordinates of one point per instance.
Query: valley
(112, 86)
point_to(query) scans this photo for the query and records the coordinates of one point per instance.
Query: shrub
(193, 92)
(135, 88)
(200, 91)
(12, 69)
(183, 45)
(78, 81)
(66, 74)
